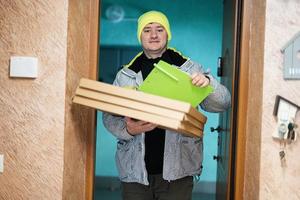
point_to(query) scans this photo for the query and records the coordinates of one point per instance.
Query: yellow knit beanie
(150, 17)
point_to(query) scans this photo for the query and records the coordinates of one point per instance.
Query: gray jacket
(182, 155)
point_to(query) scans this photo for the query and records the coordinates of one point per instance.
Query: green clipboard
(168, 81)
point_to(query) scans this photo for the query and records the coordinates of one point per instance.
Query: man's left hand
(200, 80)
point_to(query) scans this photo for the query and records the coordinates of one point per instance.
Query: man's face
(154, 38)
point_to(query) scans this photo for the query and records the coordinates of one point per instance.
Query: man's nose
(153, 34)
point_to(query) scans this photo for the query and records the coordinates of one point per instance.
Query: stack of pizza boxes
(166, 113)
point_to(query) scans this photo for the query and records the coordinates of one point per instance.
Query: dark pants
(159, 189)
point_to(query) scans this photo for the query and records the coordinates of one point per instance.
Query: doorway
(248, 123)
(200, 39)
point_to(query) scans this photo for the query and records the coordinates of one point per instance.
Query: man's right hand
(137, 127)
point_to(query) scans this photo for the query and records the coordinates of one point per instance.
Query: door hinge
(220, 67)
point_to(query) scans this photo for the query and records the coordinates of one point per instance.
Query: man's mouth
(154, 41)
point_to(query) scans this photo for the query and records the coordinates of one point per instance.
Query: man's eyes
(148, 30)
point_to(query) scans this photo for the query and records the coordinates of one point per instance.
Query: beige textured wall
(32, 110)
(277, 182)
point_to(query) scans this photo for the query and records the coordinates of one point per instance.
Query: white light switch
(23, 67)
(1, 163)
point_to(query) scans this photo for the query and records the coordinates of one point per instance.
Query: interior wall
(44, 138)
(33, 110)
(196, 32)
(276, 181)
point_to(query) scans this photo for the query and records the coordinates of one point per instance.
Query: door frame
(247, 163)
(250, 91)
(94, 37)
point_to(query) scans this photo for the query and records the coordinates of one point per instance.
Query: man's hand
(200, 80)
(137, 127)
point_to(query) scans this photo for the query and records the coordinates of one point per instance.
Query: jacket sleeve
(116, 126)
(220, 99)
(113, 123)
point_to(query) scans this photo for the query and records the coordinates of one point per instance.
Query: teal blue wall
(196, 27)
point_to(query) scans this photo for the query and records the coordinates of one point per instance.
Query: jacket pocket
(124, 158)
(191, 154)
